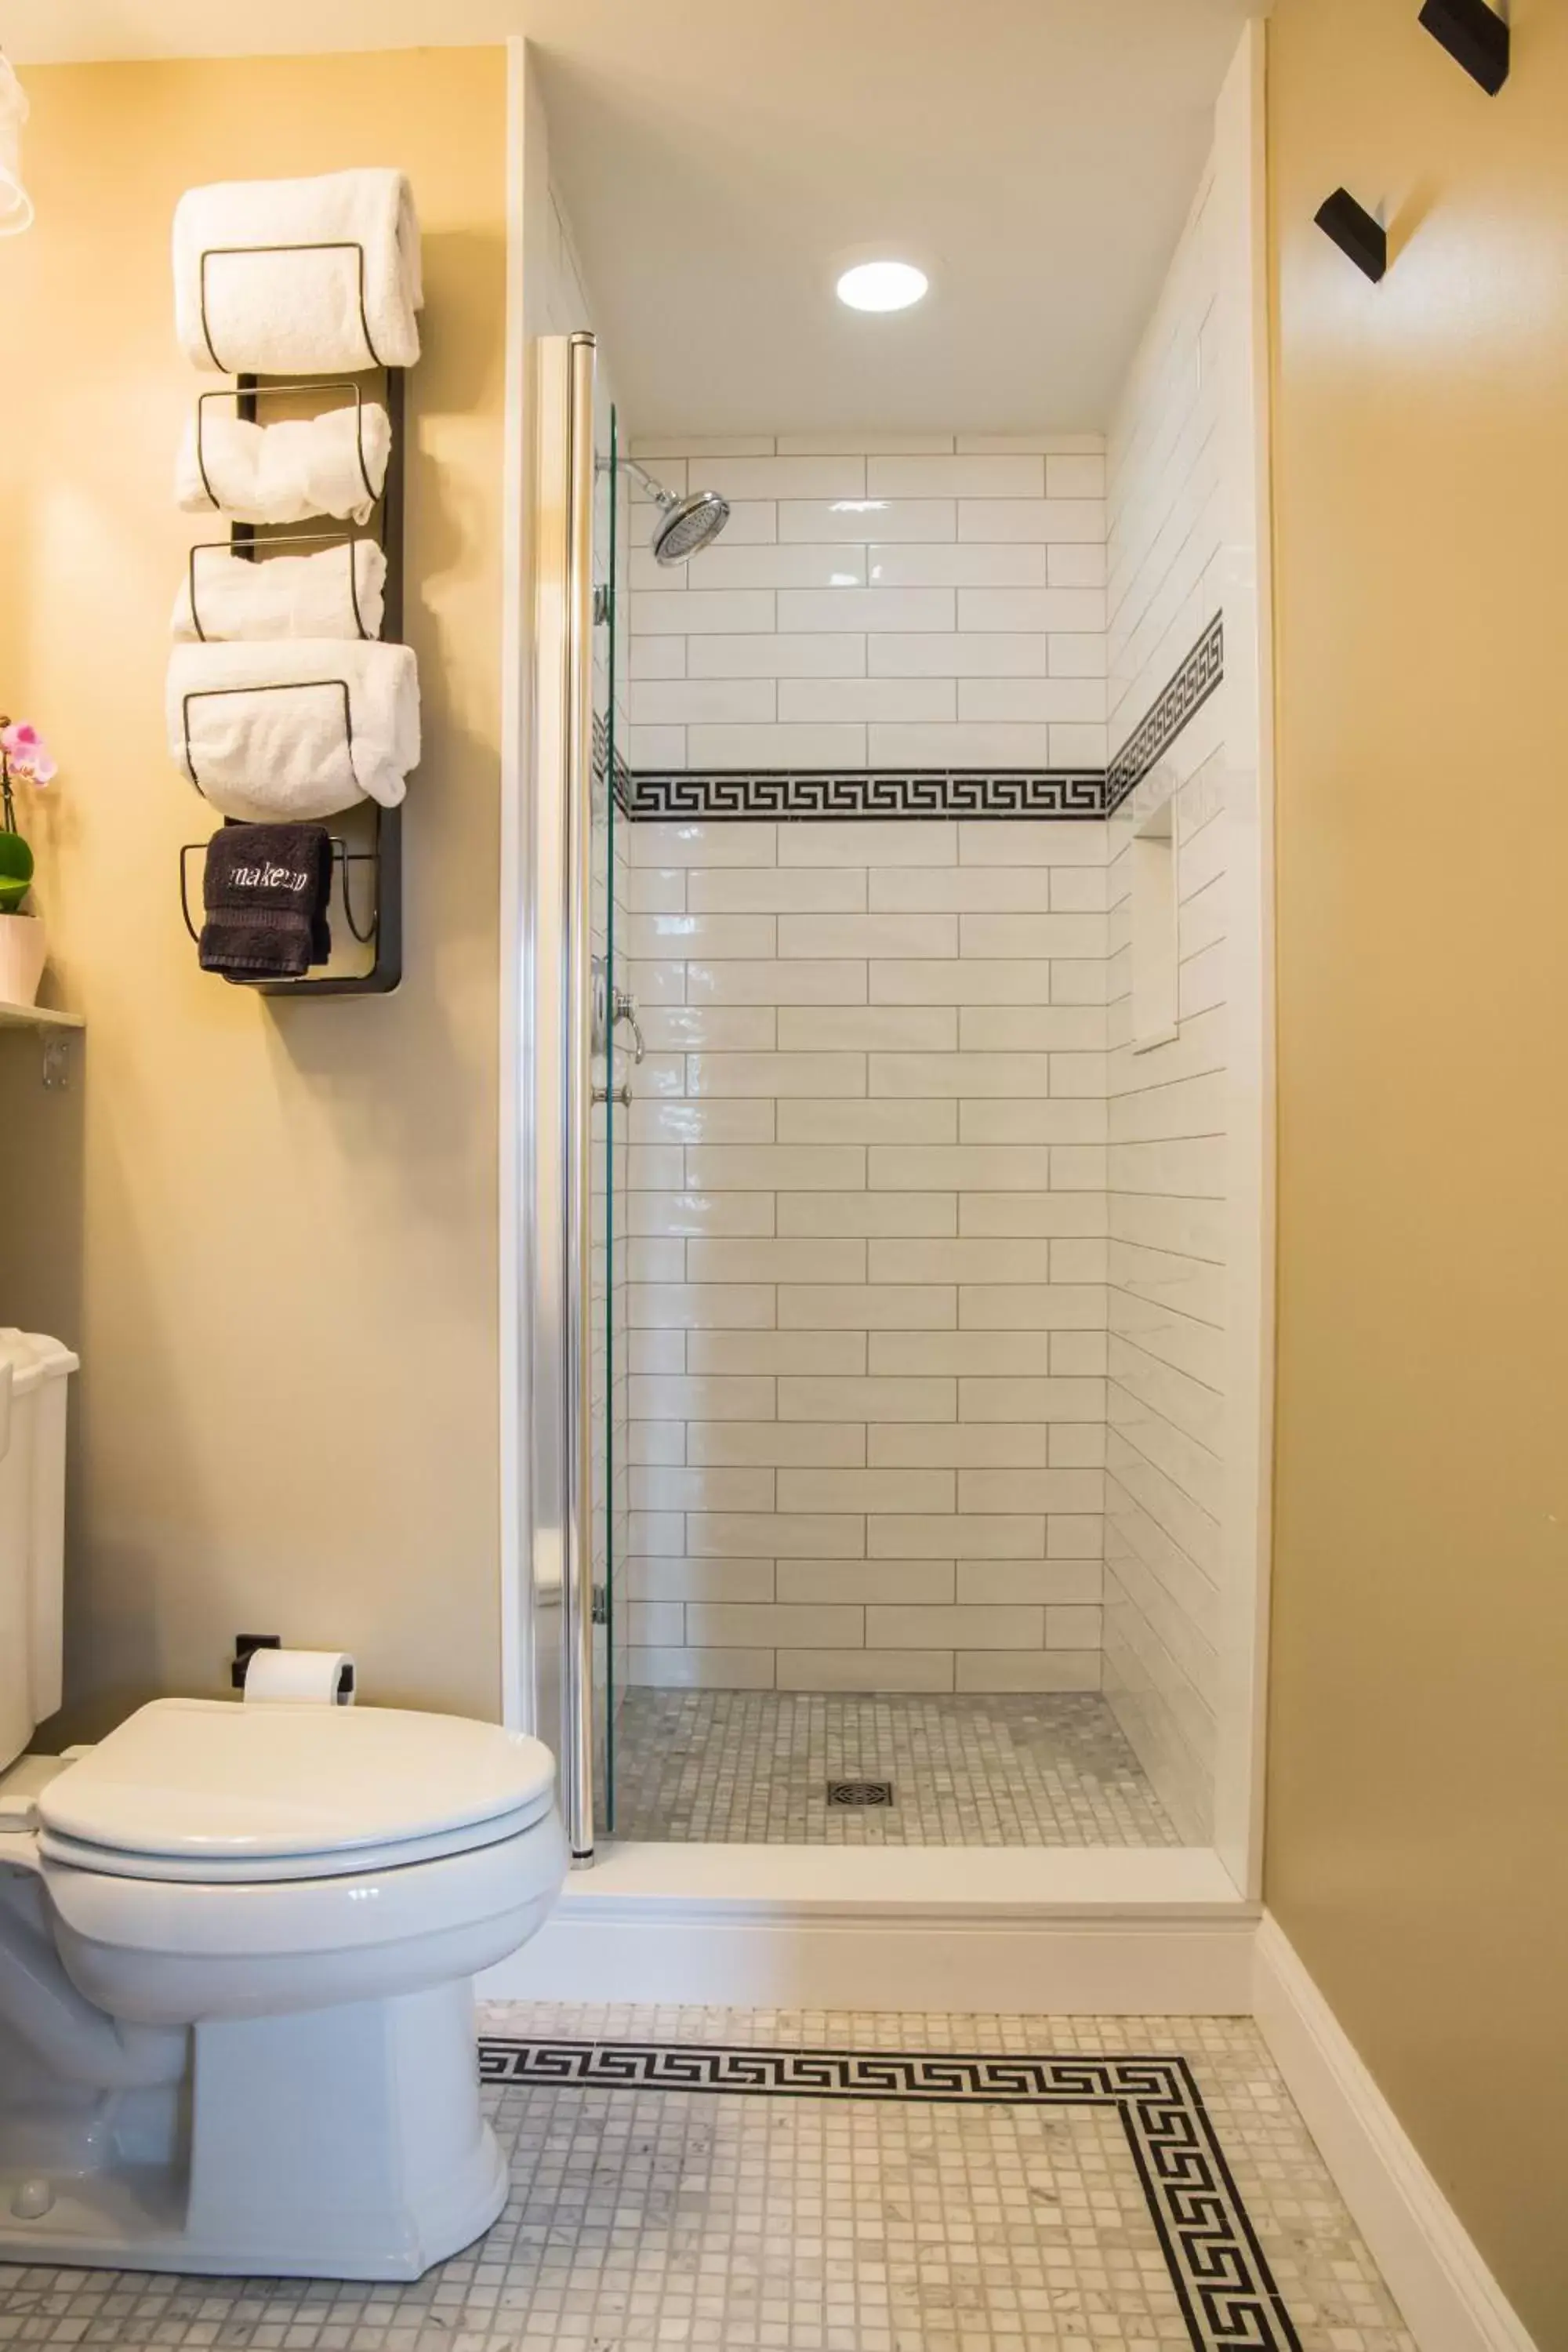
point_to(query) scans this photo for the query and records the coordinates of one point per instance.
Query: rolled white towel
(285, 472)
(339, 592)
(260, 729)
(297, 312)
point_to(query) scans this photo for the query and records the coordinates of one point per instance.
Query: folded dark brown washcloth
(265, 891)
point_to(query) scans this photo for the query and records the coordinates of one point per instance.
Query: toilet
(237, 1944)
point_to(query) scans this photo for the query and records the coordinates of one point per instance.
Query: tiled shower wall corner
(866, 1215)
(919, 600)
(1180, 449)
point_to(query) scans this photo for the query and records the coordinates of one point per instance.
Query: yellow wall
(270, 1228)
(1418, 1784)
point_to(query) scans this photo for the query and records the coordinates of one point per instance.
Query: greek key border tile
(1195, 680)
(773, 795)
(1217, 2268)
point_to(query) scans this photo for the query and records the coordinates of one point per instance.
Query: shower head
(684, 524)
(687, 524)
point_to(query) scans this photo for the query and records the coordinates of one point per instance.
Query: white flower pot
(21, 951)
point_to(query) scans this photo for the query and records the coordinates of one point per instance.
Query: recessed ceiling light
(882, 285)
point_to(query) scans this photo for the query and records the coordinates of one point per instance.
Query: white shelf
(38, 1016)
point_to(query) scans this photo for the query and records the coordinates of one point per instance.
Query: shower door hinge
(601, 1604)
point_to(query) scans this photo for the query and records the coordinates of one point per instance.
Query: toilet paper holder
(244, 1648)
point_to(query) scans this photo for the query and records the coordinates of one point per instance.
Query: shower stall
(894, 1117)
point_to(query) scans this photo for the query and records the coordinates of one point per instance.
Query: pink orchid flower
(27, 753)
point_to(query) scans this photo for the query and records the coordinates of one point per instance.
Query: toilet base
(343, 2143)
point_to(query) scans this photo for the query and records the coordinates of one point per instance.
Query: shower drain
(860, 1792)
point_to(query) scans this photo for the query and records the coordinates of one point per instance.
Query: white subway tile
(687, 612)
(698, 1213)
(684, 842)
(837, 1168)
(657, 748)
(651, 1622)
(947, 1629)
(880, 445)
(1032, 841)
(960, 1168)
(827, 936)
(789, 1260)
(1077, 656)
(863, 609)
(834, 1354)
(1072, 1628)
(957, 1445)
(1010, 981)
(840, 746)
(886, 1580)
(1049, 609)
(653, 1488)
(1053, 1582)
(988, 478)
(1075, 1444)
(788, 478)
(984, 1398)
(759, 1535)
(1030, 1028)
(698, 1580)
(880, 1307)
(650, 1258)
(1029, 1119)
(979, 1491)
(799, 982)
(855, 1029)
(958, 746)
(774, 656)
(684, 702)
(1027, 700)
(848, 841)
(963, 1354)
(723, 1028)
(1030, 936)
(865, 1670)
(655, 890)
(954, 566)
(959, 889)
(866, 1122)
(660, 657)
(823, 1445)
(684, 1669)
(1074, 746)
(860, 698)
(873, 1214)
(691, 1306)
(796, 566)
(731, 1624)
(658, 452)
(827, 1398)
(955, 1261)
(775, 1076)
(729, 1399)
(652, 1352)
(649, 937)
(1075, 477)
(959, 1074)
(866, 1490)
(1069, 566)
(1039, 1670)
(680, 1122)
(974, 653)
(861, 519)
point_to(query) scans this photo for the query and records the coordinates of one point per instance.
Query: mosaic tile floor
(762, 2223)
(751, 1767)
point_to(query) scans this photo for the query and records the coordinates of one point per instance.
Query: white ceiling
(719, 157)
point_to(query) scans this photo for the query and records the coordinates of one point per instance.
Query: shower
(684, 524)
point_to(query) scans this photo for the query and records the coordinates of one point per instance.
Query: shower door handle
(623, 1008)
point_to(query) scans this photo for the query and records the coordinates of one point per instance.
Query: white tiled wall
(927, 602)
(868, 1256)
(1176, 450)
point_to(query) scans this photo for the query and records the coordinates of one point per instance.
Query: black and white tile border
(774, 795)
(1193, 682)
(778, 795)
(1217, 2268)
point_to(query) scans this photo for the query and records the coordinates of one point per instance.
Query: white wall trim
(1450, 2301)
(516, 1678)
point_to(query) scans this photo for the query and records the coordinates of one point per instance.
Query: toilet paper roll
(325, 1677)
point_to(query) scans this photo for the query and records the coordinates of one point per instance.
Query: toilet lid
(205, 1782)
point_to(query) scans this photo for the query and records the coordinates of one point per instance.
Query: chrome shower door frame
(557, 1074)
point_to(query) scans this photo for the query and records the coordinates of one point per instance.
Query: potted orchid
(24, 760)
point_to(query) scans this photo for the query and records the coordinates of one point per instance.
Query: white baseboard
(1116, 1934)
(1450, 2301)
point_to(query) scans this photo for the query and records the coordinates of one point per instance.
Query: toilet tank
(33, 1373)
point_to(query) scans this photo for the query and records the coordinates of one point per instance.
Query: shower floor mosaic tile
(753, 1768)
(1007, 2209)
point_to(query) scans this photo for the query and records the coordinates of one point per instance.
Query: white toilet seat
(217, 1794)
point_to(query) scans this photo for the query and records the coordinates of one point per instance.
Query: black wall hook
(1475, 37)
(1355, 232)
